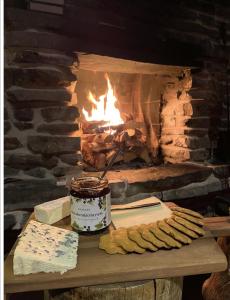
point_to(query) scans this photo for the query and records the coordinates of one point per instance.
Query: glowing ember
(104, 108)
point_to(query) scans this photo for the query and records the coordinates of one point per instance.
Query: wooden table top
(97, 267)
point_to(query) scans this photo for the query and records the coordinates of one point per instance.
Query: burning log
(98, 149)
(102, 147)
(145, 156)
(129, 156)
(99, 161)
(103, 139)
(111, 154)
(87, 153)
(92, 126)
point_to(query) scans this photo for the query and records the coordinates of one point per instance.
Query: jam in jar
(90, 204)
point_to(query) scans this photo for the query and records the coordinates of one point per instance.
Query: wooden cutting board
(128, 215)
(96, 267)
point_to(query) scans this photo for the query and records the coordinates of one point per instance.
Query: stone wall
(41, 127)
(185, 122)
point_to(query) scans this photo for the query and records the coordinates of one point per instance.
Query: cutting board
(127, 215)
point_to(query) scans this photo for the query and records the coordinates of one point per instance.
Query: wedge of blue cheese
(53, 211)
(45, 248)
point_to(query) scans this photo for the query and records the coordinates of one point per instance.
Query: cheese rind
(53, 211)
(45, 248)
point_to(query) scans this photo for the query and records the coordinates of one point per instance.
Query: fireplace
(138, 114)
(169, 96)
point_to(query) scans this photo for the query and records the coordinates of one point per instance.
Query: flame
(104, 108)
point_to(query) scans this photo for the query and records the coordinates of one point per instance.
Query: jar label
(90, 214)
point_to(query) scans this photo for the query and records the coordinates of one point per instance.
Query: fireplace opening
(129, 111)
(117, 123)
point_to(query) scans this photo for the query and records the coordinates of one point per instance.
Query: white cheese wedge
(45, 248)
(53, 211)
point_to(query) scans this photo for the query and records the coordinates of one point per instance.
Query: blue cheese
(45, 248)
(53, 211)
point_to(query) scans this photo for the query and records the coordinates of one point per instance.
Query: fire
(104, 108)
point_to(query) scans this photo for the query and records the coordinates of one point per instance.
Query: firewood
(133, 143)
(100, 160)
(103, 138)
(99, 139)
(88, 138)
(130, 132)
(102, 147)
(129, 155)
(120, 137)
(145, 156)
(110, 154)
(90, 127)
(87, 153)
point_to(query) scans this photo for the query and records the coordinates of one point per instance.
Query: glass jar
(90, 204)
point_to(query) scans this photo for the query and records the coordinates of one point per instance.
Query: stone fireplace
(167, 113)
(159, 121)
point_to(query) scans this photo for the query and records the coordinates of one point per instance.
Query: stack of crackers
(180, 229)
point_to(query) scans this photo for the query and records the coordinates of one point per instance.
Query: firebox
(137, 114)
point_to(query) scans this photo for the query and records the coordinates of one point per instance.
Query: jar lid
(89, 184)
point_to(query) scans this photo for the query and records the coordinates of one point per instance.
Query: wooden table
(96, 267)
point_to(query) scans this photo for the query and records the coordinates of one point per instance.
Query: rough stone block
(38, 172)
(25, 19)
(185, 131)
(10, 172)
(35, 38)
(25, 115)
(60, 129)
(196, 108)
(211, 184)
(29, 161)
(201, 94)
(23, 125)
(191, 142)
(169, 121)
(11, 143)
(7, 127)
(69, 113)
(183, 154)
(193, 122)
(178, 121)
(62, 171)
(149, 180)
(28, 193)
(17, 94)
(38, 56)
(38, 76)
(71, 159)
(51, 145)
(221, 171)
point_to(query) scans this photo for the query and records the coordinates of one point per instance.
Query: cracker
(182, 228)
(192, 219)
(121, 238)
(187, 211)
(108, 244)
(149, 236)
(189, 225)
(135, 236)
(164, 237)
(174, 233)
